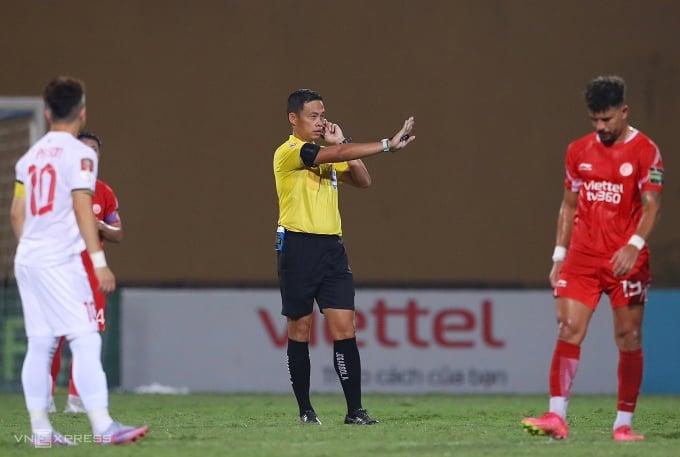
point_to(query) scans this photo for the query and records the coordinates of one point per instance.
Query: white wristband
(98, 259)
(559, 254)
(637, 241)
(385, 144)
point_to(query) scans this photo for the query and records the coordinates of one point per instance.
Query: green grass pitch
(411, 425)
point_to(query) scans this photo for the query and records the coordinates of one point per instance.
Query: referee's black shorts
(312, 266)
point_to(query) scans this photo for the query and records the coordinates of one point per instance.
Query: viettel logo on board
(450, 328)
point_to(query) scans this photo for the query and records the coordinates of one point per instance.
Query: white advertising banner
(411, 341)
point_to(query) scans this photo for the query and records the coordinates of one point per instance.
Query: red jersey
(609, 181)
(105, 207)
(105, 203)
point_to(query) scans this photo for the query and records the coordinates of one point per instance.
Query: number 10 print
(43, 184)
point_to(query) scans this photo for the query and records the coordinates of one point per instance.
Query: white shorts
(56, 301)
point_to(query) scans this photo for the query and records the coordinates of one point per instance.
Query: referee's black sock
(299, 370)
(348, 368)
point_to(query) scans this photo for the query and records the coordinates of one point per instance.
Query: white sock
(36, 380)
(558, 405)
(89, 376)
(40, 422)
(623, 418)
(100, 420)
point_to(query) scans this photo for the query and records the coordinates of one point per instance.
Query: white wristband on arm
(385, 144)
(637, 241)
(98, 259)
(559, 254)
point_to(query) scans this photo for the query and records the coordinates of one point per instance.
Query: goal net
(21, 124)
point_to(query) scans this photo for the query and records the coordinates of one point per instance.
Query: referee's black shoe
(310, 417)
(360, 417)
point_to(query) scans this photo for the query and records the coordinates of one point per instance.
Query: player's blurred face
(309, 123)
(611, 124)
(91, 143)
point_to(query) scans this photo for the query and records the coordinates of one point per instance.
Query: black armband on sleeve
(308, 153)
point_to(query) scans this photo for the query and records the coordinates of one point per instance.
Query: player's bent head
(64, 98)
(297, 100)
(91, 139)
(605, 92)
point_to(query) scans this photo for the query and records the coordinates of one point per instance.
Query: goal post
(33, 107)
(22, 123)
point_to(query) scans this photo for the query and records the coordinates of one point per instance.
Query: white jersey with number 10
(51, 170)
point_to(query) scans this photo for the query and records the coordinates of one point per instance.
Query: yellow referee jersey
(308, 197)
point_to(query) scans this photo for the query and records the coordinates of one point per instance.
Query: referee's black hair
(64, 96)
(605, 92)
(90, 136)
(297, 100)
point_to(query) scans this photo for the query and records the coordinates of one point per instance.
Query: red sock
(71, 385)
(56, 364)
(563, 368)
(630, 379)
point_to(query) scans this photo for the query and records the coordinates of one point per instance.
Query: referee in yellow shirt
(312, 262)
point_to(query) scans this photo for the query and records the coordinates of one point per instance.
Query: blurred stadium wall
(189, 99)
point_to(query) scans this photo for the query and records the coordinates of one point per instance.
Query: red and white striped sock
(563, 370)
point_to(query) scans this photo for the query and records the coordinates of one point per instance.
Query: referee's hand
(403, 137)
(332, 133)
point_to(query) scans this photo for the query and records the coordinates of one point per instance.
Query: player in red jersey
(105, 207)
(614, 179)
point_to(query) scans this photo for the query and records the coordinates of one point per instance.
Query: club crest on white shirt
(626, 169)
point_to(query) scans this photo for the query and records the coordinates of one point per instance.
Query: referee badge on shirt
(334, 178)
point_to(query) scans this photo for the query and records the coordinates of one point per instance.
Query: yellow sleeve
(287, 158)
(341, 167)
(19, 190)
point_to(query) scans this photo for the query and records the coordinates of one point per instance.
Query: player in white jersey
(53, 220)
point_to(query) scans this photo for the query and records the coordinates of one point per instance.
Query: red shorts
(99, 297)
(584, 278)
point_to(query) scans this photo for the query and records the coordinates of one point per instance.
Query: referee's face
(308, 124)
